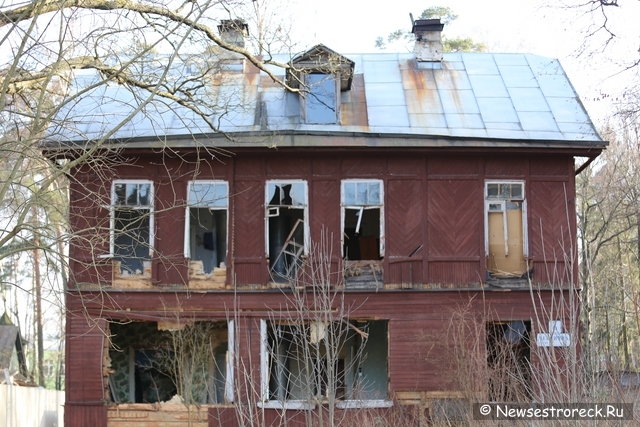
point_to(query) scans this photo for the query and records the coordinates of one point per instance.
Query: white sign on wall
(555, 337)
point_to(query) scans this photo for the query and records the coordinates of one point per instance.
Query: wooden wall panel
(249, 167)
(404, 217)
(224, 417)
(405, 272)
(508, 168)
(452, 166)
(84, 349)
(247, 230)
(455, 272)
(85, 415)
(549, 166)
(555, 273)
(454, 222)
(404, 166)
(404, 230)
(325, 166)
(549, 237)
(170, 267)
(354, 167)
(324, 214)
(288, 166)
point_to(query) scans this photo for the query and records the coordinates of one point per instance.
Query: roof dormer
(321, 60)
(321, 74)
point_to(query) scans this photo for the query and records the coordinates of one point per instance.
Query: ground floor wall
(439, 345)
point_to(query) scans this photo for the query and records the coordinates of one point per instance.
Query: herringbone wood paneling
(354, 167)
(513, 168)
(404, 217)
(325, 166)
(452, 166)
(545, 166)
(249, 167)
(249, 215)
(549, 223)
(288, 167)
(454, 218)
(170, 219)
(404, 166)
(324, 213)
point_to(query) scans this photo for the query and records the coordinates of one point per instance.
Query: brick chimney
(428, 47)
(233, 31)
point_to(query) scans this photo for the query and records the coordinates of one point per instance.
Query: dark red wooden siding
(84, 347)
(404, 230)
(169, 265)
(85, 415)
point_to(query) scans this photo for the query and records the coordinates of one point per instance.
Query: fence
(31, 407)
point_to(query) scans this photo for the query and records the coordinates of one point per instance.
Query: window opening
(206, 232)
(362, 220)
(505, 229)
(150, 363)
(509, 361)
(298, 359)
(320, 100)
(286, 215)
(132, 225)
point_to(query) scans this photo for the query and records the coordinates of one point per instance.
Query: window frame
(113, 207)
(188, 206)
(296, 404)
(344, 207)
(309, 92)
(488, 202)
(305, 215)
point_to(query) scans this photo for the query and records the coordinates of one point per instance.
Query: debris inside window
(132, 220)
(286, 212)
(506, 229)
(207, 231)
(148, 365)
(310, 362)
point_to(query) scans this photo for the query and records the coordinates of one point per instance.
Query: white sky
(351, 26)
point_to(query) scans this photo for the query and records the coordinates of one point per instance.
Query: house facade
(345, 243)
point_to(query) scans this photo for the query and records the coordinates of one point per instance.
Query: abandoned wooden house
(419, 202)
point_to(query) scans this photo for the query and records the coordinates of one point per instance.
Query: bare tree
(58, 56)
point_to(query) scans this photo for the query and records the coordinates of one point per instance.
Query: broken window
(316, 360)
(206, 225)
(320, 102)
(509, 360)
(152, 362)
(132, 225)
(287, 232)
(506, 229)
(362, 219)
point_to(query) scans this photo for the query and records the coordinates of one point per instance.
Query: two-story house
(430, 195)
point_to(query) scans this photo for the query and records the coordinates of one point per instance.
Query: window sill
(295, 405)
(357, 404)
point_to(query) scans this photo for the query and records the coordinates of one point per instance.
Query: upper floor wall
(417, 220)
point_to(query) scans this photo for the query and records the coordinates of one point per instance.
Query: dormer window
(320, 74)
(320, 103)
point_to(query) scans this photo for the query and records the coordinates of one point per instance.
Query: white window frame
(112, 213)
(502, 202)
(264, 379)
(344, 206)
(305, 215)
(187, 223)
(308, 92)
(231, 361)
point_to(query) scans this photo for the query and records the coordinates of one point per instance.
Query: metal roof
(507, 97)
